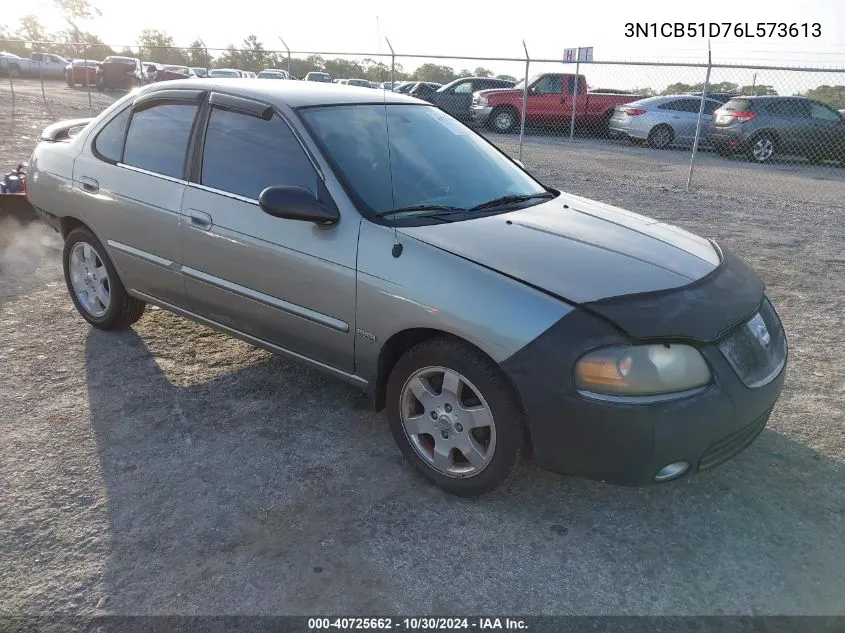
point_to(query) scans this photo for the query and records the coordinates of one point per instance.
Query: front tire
(504, 120)
(94, 286)
(454, 416)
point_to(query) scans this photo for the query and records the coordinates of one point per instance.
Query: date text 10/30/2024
(723, 29)
(416, 624)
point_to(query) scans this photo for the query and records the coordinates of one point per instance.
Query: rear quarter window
(108, 144)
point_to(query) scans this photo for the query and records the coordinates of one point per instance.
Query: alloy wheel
(90, 279)
(448, 422)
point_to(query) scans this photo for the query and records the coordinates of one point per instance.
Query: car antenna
(397, 246)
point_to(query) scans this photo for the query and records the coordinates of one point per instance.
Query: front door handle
(200, 219)
(89, 184)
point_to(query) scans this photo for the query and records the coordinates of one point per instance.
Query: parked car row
(762, 128)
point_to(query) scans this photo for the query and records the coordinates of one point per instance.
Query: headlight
(641, 370)
(483, 101)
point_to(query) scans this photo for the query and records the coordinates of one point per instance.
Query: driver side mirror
(296, 203)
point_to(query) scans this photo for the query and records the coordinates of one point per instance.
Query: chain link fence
(688, 112)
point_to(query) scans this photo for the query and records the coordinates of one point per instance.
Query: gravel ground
(169, 469)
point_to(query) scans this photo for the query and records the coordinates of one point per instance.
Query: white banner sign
(578, 54)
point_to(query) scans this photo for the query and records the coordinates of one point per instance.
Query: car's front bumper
(479, 114)
(626, 442)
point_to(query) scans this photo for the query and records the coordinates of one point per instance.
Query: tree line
(158, 46)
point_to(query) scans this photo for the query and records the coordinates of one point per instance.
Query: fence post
(700, 112)
(87, 81)
(41, 77)
(575, 95)
(288, 50)
(11, 87)
(204, 54)
(524, 100)
(392, 64)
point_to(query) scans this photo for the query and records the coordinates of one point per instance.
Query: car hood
(498, 91)
(578, 249)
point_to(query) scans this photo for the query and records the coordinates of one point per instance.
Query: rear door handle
(200, 219)
(89, 184)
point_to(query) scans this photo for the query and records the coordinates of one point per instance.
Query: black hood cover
(703, 310)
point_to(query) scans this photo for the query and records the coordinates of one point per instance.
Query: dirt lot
(169, 469)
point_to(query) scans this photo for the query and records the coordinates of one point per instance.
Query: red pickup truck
(550, 100)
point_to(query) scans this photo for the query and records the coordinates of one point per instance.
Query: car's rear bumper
(629, 127)
(728, 138)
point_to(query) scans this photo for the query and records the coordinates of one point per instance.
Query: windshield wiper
(443, 208)
(497, 202)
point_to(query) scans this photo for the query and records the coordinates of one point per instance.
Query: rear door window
(158, 138)
(788, 108)
(464, 88)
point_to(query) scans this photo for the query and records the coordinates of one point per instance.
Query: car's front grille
(756, 349)
(726, 448)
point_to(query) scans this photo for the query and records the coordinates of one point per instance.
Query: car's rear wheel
(14, 70)
(661, 136)
(762, 148)
(454, 416)
(94, 286)
(504, 119)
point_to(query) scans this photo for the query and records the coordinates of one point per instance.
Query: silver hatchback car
(376, 238)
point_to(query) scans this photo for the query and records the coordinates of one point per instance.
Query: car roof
(291, 93)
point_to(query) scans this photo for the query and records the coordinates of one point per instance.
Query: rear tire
(761, 148)
(504, 119)
(454, 416)
(94, 286)
(661, 136)
(14, 70)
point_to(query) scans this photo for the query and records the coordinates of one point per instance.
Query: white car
(37, 64)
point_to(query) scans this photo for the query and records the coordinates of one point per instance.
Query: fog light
(672, 471)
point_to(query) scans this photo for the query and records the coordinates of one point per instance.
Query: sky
(494, 29)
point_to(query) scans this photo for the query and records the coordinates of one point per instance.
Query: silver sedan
(387, 244)
(663, 121)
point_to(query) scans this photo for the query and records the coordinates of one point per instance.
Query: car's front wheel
(454, 416)
(94, 286)
(504, 119)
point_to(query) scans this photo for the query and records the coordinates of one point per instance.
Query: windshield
(431, 159)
